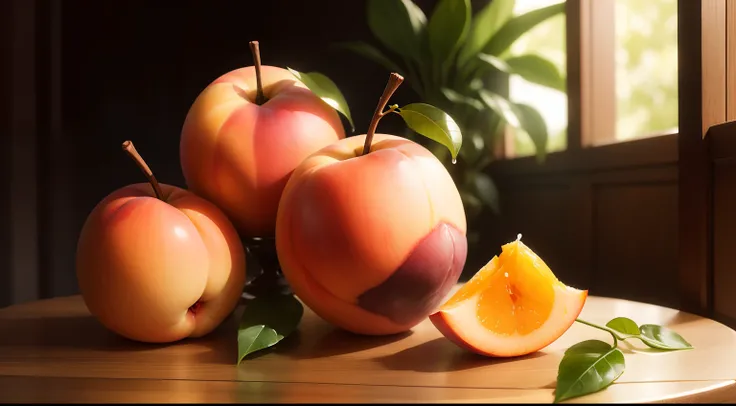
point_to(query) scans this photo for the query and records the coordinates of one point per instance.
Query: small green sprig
(592, 365)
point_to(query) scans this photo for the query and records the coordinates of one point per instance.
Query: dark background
(647, 220)
(83, 76)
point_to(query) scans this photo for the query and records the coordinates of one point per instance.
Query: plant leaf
(536, 69)
(534, 125)
(433, 123)
(448, 27)
(624, 325)
(485, 24)
(398, 24)
(370, 52)
(662, 338)
(588, 367)
(266, 320)
(486, 190)
(495, 62)
(518, 26)
(456, 97)
(470, 201)
(327, 90)
(501, 106)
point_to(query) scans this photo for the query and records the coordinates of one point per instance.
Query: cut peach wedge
(513, 306)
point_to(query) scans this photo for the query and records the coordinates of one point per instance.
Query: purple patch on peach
(420, 284)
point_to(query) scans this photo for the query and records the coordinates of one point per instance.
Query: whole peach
(238, 152)
(158, 264)
(372, 242)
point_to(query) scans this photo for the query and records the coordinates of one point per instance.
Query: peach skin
(157, 263)
(372, 242)
(244, 135)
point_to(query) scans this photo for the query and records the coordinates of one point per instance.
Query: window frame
(707, 83)
(591, 99)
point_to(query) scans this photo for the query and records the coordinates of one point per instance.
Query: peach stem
(255, 50)
(130, 149)
(394, 81)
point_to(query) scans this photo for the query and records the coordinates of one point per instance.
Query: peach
(371, 242)
(513, 306)
(157, 263)
(244, 135)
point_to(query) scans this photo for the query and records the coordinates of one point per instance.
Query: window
(628, 72)
(547, 40)
(646, 68)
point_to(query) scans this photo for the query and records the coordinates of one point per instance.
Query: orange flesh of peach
(516, 292)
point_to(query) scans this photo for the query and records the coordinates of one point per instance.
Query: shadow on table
(87, 337)
(441, 355)
(330, 342)
(82, 332)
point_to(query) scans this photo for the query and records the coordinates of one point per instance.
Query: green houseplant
(461, 62)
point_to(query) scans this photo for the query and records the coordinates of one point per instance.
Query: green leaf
(495, 62)
(327, 90)
(624, 325)
(588, 367)
(486, 190)
(370, 52)
(434, 124)
(485, 24)
(501, 106)
(534, 125)
(448, 27)
(662, 338)
(470, 201)
(266, 320)
(536, 69)
(398, 24)
(456, 97)
(518, 26)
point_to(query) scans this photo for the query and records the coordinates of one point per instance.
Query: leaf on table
(434, 124)
(624, 325)
(327, 90)
(588, 367)
(662, 338)
(267, 320)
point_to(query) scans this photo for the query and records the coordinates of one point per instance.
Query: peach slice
(513, 306)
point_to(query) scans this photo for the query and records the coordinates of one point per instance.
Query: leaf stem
(394, 81)
(129, 148)
(613, 332)
(255, 50)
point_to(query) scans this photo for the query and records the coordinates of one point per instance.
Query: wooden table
(53, 351)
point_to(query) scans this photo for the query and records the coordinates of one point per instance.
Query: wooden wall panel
(613, 232)
(22, 136)
(544, 215)
(723, 161)
(724, 241)
(693, 160)
(6, 24)
(635, 235)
